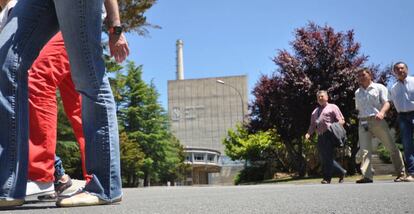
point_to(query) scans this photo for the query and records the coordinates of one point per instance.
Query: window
(199, 157)
(211, 158)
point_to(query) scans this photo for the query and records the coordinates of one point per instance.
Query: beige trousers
(380, 130)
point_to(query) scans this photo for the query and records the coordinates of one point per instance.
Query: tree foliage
(145, 122)
(64, 129)
(262, 150)
(132, 160)
(69, 152)
(321, 59)
(67, 147)
(240, 145)
(173, 167)
(148, 150)
(132, 14)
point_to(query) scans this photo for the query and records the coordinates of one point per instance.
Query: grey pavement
(378, 197)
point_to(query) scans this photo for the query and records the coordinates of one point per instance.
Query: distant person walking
(372, 103)
(321, 119)
(402, 96)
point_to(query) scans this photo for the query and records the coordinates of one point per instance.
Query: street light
(238, 92)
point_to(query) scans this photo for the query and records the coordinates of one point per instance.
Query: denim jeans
(405, 122)
(326, 154)
(59, 170)
(32, 23)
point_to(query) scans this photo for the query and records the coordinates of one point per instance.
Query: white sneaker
(84, 199)
(10, 202)
(77, 186)
(36, 188)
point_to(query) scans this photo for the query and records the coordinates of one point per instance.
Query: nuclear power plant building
(201, 112)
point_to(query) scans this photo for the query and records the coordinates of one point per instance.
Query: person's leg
(50, 71)
(71, 100)
(405, 123)
(381, 130)
(61, 183)
(337, 168)
(32, 23)
(365, 144)
(320, 151)
(80, 23)
(329, 155)
(62, 180)
(324, 156)
(59, 170)
(43, 112)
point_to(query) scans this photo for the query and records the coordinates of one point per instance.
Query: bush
(250, 174)
(69, 152)
(384, 154)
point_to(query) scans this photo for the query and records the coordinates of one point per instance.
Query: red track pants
(49, 72)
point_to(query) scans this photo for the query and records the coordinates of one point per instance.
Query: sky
(240, 37)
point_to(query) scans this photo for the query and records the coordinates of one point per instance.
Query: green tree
(321, 59)
(132, 161)
(69, 152)
(240, 145)
(145, 122)
(262, 150)
(67, 147)
(132, 14)
(173, 168)
(64, 129)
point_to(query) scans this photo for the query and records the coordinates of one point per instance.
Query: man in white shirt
(372, 103)
(402, 96)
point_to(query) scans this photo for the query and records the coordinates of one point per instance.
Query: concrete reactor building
(201, 111)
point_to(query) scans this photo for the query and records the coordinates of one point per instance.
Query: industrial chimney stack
(180, 64)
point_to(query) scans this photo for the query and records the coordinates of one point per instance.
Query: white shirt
(370, 101)
(4, 15)
(402, 95)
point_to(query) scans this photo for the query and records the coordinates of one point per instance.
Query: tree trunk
(146, 179)
(297, 159)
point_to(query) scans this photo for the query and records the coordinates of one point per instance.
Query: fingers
(379, 116)
(119, 48)
(120, 52)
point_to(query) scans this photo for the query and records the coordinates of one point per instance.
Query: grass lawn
(317, 180)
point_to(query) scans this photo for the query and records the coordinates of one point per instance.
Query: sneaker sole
(99, 202)
(11, 203)
(48, 198)
(35, 196)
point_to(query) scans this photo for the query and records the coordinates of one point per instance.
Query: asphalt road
(379, 197)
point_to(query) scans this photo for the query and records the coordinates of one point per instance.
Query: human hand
(379, 116)
(118, 47)
(307, 136)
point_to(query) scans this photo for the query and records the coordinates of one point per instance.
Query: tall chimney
(180, 64)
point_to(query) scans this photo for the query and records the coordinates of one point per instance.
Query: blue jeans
(405, 122)
(59, 170)
(326, 151)
(32, 23)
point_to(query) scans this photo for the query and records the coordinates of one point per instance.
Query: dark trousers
(326, 155)
(405, 122)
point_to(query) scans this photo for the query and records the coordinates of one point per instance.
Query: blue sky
(235, 37)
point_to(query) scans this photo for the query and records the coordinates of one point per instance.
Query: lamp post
(238, 92)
